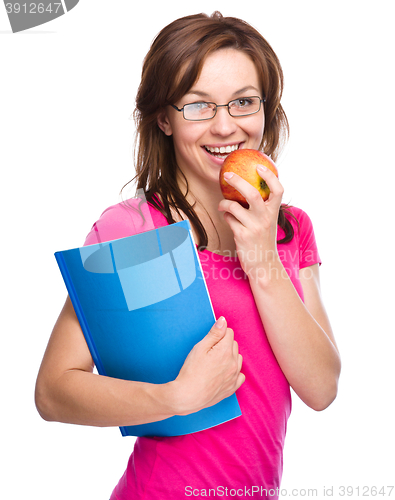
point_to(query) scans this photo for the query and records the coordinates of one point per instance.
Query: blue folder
(142, 303)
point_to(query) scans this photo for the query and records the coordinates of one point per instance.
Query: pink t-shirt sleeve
(119, 221)
(308, 251)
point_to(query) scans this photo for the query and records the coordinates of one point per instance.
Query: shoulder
(300, 215)
(305, 237)
(300, 221)
(124, 219)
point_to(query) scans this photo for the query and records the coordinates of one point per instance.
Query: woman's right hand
(67, 390)
(211, 371)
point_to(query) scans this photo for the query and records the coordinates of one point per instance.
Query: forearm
(68, 391)
(80, 397)
(305, 353)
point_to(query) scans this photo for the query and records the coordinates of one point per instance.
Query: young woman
(211, 85)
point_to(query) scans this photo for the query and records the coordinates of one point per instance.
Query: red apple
(244, 162)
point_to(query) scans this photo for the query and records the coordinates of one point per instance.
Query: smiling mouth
(221, 152)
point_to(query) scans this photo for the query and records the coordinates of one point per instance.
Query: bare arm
(68, 391)
(299, 333)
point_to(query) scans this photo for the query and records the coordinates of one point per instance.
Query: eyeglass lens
(206, 110)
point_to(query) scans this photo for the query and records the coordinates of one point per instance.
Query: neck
(205, 201)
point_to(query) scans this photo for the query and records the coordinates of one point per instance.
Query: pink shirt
(242, 458)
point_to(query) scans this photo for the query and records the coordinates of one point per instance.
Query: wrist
(268, 272)
(163, 399)
(168, 399)
(179, 402)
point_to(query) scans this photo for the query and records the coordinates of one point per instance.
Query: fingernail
(262, 168)
(220, 323)
(228, 175)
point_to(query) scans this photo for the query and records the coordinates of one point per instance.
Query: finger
(235, 349)
(274, 185)
(224, 345)
(240, 380)
(249, 191)
(230, 206)
(216, 334)
(264, 186)
(229, 337)
(234, 213)
(240, 361)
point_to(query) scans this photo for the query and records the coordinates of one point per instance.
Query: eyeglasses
(243, 106)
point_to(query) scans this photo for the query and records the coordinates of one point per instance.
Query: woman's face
(227, 74)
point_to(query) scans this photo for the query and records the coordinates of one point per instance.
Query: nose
(223, 124)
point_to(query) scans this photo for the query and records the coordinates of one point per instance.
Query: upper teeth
(223, 149)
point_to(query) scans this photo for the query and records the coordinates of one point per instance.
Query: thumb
(216, 333)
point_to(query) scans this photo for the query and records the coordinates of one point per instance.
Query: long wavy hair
(171, 67)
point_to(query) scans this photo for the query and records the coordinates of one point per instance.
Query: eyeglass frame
(261, 100)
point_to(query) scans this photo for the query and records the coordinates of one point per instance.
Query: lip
(222, 145)
(213, 159)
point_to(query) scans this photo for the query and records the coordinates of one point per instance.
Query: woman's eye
(199, 106)
(242, 103)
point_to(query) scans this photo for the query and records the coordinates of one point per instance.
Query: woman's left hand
(254, 228)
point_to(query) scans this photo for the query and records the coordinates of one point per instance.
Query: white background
(67, 89)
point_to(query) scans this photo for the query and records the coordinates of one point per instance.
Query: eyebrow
(200, 93)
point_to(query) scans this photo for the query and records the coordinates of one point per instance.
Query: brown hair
(171, 67)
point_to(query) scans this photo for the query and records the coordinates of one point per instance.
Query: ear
(164, 123)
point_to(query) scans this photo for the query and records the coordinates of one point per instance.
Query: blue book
(142, 303)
